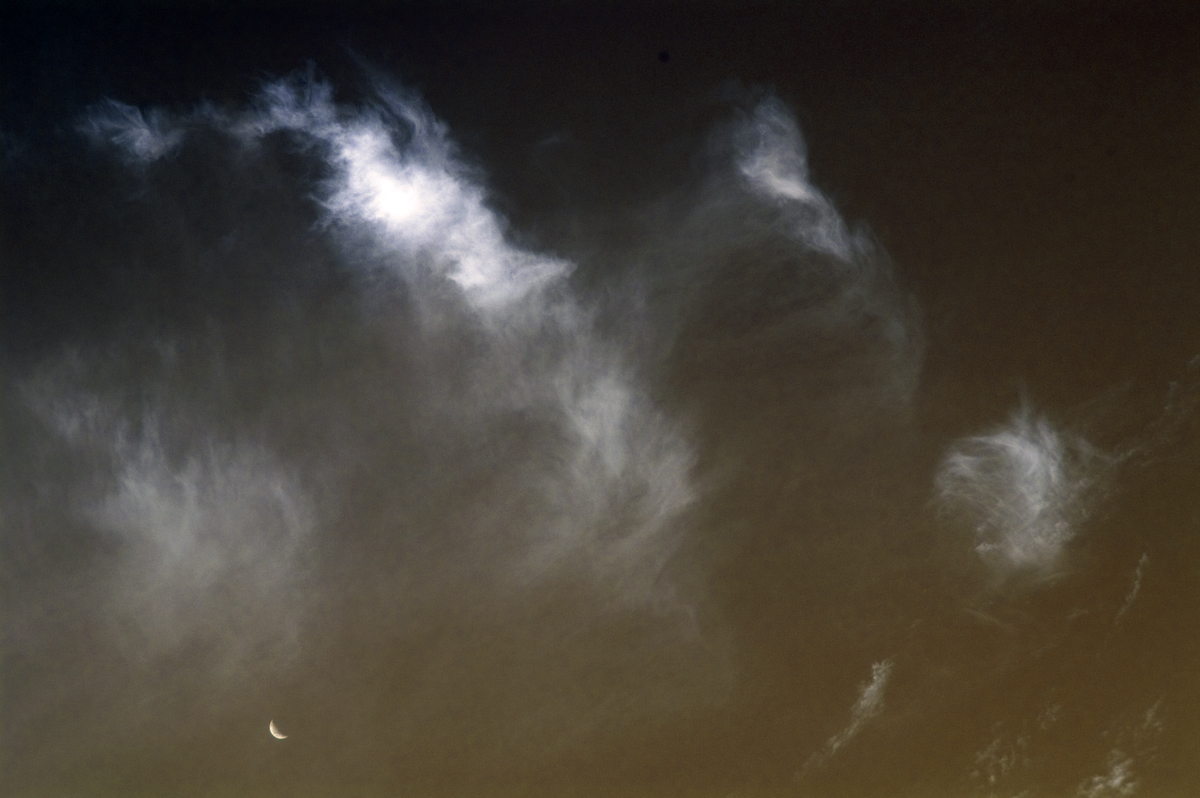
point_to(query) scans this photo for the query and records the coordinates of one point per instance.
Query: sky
(599, 399)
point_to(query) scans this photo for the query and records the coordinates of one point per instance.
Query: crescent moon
(278, 735)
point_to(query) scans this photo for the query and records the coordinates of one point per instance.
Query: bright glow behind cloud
(415, 195)
(379, 414)
(396, 184)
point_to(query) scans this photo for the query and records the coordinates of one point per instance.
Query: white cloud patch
(1135, 587)
(209, 539)
(140, 137)
(618, 477)
(1025, 489)
(766, 274)
(365, 410)
(1119, 780)
(868, 707)
(774, 161)
(396, 174)
(211, 546)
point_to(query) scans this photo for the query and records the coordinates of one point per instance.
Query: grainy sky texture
(599, 399)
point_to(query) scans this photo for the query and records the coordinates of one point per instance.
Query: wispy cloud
(1024, 487)
(868, 706)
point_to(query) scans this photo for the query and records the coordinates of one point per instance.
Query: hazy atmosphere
(600, 400)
